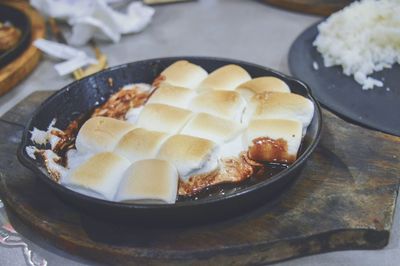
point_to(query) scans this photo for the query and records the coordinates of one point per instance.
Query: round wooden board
(23, 65)
(316, 7)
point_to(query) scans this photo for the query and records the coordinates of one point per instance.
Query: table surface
(245, 30)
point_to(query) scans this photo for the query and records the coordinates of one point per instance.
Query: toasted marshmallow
(273, 140)
(99, 134)
(149, 181)
(262, 85)
(224, 104)
(210, 127)
(182, 74)
(225, 78)
(172, 95)
(277, 105)
(164, 118)
(190, 155)
(132, 115)
(232, 148)
(99, 176)
(140, 144)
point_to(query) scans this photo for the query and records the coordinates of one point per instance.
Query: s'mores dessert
(192, 131)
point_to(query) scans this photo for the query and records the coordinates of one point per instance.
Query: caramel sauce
(232, 170)
(265, 149)
(263, 172)
(197, 183)
(120, 102)
(237, 173)
(158, 80)
(67, 139)
(54, 175)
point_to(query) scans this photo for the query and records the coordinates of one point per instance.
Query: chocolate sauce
(120, 102)
(264, 173)
(67, 139)
(265, 149)
(157, 81)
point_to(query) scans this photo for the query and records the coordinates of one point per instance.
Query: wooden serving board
(344, 199)
(316, 7)
(25, 63)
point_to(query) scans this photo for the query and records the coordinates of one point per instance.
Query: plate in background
(21, 21)
(377, 109)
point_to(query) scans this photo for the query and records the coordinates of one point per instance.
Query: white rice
(363, 38)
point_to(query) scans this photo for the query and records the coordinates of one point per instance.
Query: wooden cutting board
(344, 199)
(26, 62)
(317, 7)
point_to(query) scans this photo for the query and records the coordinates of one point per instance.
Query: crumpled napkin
(95, 19)
(74, 58)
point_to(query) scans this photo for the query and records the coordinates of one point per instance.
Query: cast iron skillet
(21, 21)
(82, 96)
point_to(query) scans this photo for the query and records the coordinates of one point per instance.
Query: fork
(11, 239)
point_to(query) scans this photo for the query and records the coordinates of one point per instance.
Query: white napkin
(64, 9)
(74, 57)
(95, 19)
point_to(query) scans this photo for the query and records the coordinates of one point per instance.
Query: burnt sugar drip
(231, 170)
(121, 102)
(265, 149)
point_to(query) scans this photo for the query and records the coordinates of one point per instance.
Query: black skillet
(21, 21)
(82, 96)
(378, 109)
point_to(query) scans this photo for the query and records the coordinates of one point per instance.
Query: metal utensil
(10, 238)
